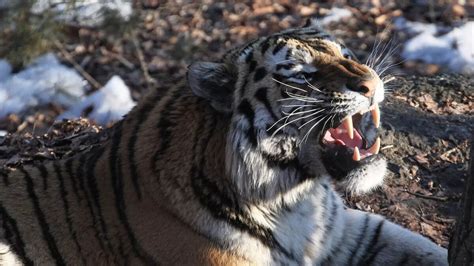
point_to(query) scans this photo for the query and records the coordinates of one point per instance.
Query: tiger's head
(301, 107)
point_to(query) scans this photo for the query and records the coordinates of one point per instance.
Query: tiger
(235, 165)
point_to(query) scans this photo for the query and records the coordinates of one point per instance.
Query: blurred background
(70, 68)
(55, 53)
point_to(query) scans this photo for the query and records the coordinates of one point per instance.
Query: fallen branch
(76, 66)
(427, 196)
(141, 59)
(119, 57)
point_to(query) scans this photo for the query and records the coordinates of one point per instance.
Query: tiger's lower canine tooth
(376, 115)
(375, 147)
(347, 124)
(356, 155)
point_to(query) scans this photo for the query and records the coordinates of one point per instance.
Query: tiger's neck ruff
(272, 174)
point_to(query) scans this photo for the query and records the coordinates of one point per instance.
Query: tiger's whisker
(298, 105)
(292, 121)
(278, 121)
(285, 117)
(311, 85)
(284, 61)
(303, 98)
(388, 79)
(305, 137)
(300, 127)
(302, 112)
(288, 85)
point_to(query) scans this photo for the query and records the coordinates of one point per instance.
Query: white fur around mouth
(346, 135)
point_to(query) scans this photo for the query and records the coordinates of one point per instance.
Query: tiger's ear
(214, 82)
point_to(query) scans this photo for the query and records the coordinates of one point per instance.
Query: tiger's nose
(365, 87)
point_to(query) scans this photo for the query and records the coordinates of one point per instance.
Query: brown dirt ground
(427, 120)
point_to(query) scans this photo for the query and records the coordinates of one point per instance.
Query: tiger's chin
(350, 152)
(356, 177)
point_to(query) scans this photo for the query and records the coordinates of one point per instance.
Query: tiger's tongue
(340, 136)
(346, 135)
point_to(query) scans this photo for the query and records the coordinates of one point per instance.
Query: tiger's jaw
(357, 134)
(351, 150)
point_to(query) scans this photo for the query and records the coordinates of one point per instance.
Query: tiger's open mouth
(354, 142)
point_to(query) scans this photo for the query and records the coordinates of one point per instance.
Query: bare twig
(119, 57)
(387, 147)
(76, 66)
(149, 80)
(427, 196)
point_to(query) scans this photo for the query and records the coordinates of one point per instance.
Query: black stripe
(245, 108)
(334, 252)
(278, 77)
(44, 175)
(404, 259)
(67, 214)
(259, 74)
(324, 208)
(143, 115)
(90, 165)
(72, 177)
(373, 254)
(252, 66)
(242, 89)
(285, 66)
(330, 225)
(372, 243)
(264, 46)
(80, 175)
(249, 44)
(13, 236)
(48, 237)
(6, 180)
(249, 57)
(282, 161)
(166, 124)
(120, 206)
(358, 243)
(289, 52)
(278, 47)
(164, 127)
(261, 95)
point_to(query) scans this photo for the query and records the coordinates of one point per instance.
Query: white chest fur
(304, 231)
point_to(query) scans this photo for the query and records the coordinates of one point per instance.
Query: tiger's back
(91, 208)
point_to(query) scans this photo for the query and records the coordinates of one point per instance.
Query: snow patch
(44, 81)
(89, 13)
(47, 81)
(453, 49)
(5, 70)
(335, 14)
(110, 103)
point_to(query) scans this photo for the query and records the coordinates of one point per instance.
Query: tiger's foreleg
(370, 239)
